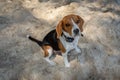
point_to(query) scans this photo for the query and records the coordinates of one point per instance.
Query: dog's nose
(76, 31)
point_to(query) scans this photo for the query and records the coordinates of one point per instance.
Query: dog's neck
(68, 39)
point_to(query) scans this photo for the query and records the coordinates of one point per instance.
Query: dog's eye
(67, 25)
(78, 21)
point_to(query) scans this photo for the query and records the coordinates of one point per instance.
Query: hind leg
(48, 53)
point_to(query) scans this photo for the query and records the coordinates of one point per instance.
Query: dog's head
(70, 25)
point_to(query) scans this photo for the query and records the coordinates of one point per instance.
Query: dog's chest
(69, 45)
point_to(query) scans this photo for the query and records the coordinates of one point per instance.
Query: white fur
(75, 26)
(70, 45)
(50, 51)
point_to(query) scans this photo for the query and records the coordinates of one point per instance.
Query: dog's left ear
(59, 29)
(81, 23)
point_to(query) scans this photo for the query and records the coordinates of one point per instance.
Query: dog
(64, 38)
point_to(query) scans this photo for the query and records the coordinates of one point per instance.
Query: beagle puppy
(62, 39)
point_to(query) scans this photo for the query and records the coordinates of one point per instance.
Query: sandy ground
(21, 59)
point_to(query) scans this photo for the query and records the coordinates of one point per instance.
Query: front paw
(78, 49)
(52, 63)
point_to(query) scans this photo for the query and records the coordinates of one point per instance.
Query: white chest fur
(69, 45)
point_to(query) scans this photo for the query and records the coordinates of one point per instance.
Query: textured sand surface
(21, 59)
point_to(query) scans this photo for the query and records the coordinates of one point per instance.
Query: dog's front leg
(80, 56)
(77, 48)
(67, 64)
(76, 45)
(79, 52)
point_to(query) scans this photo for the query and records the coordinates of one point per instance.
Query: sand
(21, 59)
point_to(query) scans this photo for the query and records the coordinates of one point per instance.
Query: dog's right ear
(59, 29)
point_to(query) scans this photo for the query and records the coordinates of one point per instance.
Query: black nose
(76, 31)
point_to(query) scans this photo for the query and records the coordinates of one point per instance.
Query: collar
(68, 39)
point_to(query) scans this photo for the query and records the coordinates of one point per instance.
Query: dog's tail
(40, 43)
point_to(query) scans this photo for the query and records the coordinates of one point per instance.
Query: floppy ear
(59, 29)
(81, 23)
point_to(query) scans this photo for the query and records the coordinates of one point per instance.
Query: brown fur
(45, 48)
(59, 29)
(81, 23)
(66, 24)
(61, 47)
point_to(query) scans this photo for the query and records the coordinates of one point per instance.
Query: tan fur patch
(63, 50)
(59, 29)
(45, 48)
(80, 24)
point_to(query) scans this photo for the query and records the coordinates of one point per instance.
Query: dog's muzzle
(76, 31)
